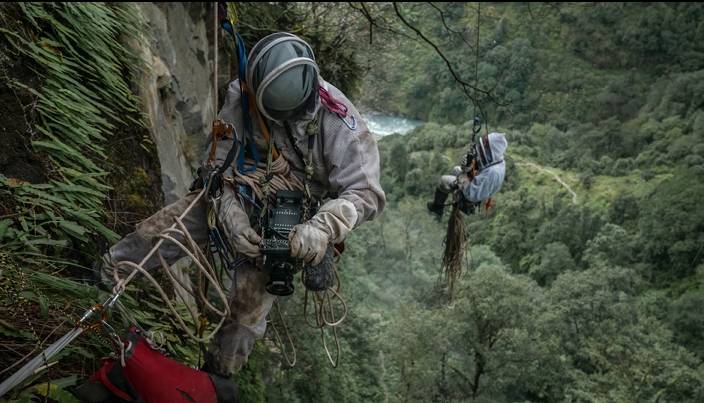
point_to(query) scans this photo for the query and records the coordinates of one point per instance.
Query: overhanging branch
(468, 89)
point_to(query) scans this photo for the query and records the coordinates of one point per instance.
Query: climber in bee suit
(491, 170)
(294, 102)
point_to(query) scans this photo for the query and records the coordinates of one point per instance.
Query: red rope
(332, 104)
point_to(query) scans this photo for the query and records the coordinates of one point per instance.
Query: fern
(78, 52)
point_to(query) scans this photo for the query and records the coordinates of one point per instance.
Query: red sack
(149, 376)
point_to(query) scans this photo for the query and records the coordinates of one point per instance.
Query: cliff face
(176, 90)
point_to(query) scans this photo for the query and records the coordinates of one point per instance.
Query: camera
(286, 213)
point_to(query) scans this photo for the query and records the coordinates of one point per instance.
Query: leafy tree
(617, 352)
(686, 317)
(555, 259)
(611, 246)
(672, 226)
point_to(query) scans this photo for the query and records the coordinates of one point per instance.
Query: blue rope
(241, 52)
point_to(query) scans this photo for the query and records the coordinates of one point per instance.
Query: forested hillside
(591, 297)
(585, 281)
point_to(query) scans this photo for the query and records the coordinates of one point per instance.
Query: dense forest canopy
(585, 282)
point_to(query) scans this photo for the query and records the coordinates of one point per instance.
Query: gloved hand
(463, 181)
(236, 222)
(331, 224)
(247, 243)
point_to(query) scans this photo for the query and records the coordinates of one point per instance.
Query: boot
(437, 206)
(225, 388)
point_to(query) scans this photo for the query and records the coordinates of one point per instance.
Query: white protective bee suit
(491, 170)
(345, 165)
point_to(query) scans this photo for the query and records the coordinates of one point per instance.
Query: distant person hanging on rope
(286, 129)
(478, 178)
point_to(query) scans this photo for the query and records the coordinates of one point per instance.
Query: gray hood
(498, 144)
(491, 149)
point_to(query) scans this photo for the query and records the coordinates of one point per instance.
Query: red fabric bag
(150, 377)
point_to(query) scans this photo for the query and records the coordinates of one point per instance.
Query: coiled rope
(281, 178)
(324, 311)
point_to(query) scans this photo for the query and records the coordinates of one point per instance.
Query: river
(383, 125)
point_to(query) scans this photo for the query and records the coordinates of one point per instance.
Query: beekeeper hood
(283, 75)
(490, 150)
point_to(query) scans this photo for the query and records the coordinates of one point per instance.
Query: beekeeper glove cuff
(331, 224)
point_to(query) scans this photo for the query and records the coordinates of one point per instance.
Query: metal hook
(351, 126)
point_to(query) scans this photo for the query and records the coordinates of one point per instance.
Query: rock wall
(177, 87)
(176, 91)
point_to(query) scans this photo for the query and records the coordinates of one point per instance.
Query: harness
(478, 159)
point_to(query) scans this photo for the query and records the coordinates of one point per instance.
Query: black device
(276, 248)
(286, 213)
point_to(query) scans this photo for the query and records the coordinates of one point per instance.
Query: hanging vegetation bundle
(455, 245)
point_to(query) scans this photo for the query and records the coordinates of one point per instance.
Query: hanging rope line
(215, 58)
(246, 99)
(477, 102)
(456, 237)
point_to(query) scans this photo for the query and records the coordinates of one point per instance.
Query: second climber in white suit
(491, 170)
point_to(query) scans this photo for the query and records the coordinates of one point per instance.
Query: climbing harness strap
(265, 182)
(245, 96)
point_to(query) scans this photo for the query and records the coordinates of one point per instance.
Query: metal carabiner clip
(352, 125)
(477, 125)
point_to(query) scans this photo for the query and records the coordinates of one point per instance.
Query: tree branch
(447, 27)
(374, 23)
(467, 88)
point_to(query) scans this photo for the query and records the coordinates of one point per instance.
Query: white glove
(448, 183)
(308, 242)
(334, 221)
(247, 243)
